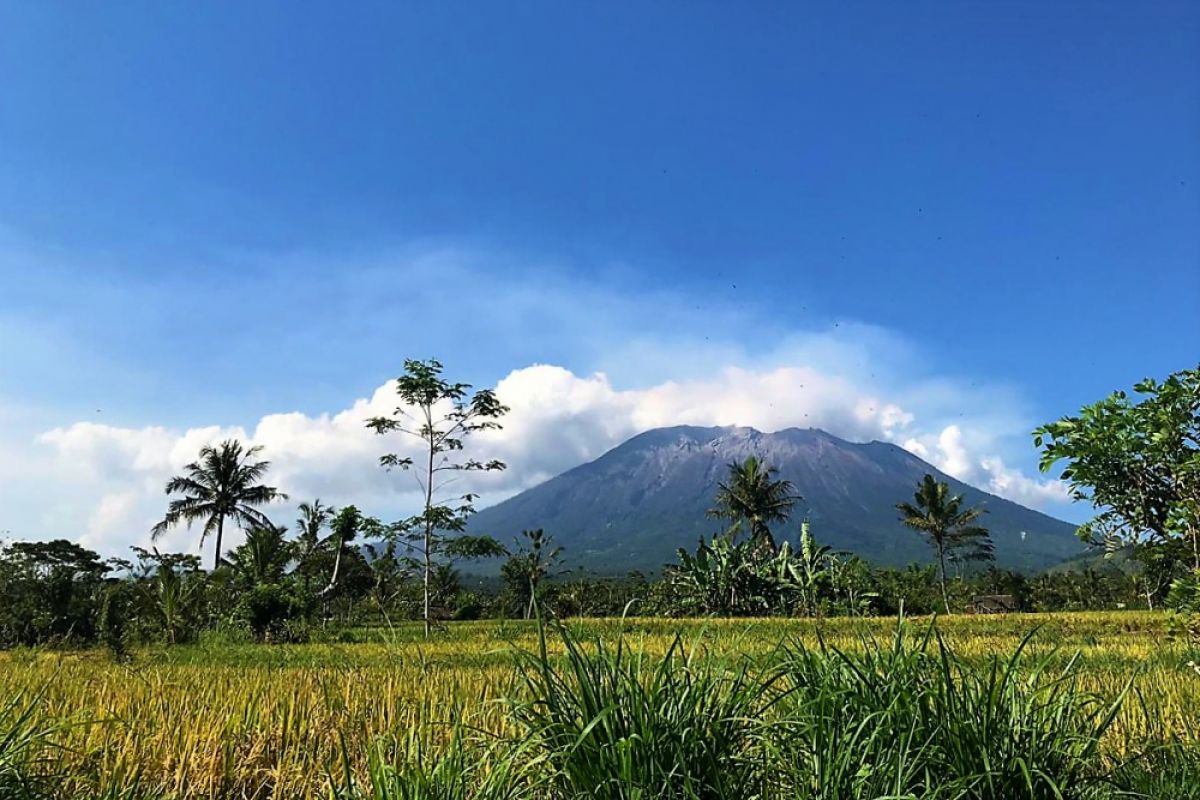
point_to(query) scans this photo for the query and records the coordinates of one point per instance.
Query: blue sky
(214, 213)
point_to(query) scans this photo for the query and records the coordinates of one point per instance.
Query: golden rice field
(243, 720)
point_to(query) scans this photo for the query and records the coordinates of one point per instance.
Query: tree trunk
(764, 542)
(942, 576)
(220, 531)
(428, 538)
(428, 527)
(333, 579)
(1195, 533)
(337, 565)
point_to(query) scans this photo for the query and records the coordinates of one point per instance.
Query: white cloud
(1020, 488)
(954, 459)
(558, 419)
(635, 359)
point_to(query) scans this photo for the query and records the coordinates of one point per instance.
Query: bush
(115, 607)
(270, 611)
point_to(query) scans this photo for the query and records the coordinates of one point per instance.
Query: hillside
(633, 506)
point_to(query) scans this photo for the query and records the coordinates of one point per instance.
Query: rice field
(232, 720)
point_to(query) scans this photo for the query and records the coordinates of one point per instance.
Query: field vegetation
(690, 708)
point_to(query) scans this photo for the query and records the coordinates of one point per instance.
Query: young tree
(940, 516)
(811, 569)
(174, 587)
(264, 557)
(441, 415)
(1136, 462)
(526, 569)
(752, 494)
(310, 526)
(224, 483)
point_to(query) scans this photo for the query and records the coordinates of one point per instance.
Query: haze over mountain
(632, 507)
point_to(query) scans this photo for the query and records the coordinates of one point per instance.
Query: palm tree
(264, 556)
(314, 518)
(940, 516)
(751, 493)
(222, 484)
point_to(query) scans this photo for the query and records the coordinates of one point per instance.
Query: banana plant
(720, 578)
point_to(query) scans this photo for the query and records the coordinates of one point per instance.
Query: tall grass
(913, 719)
(24, 736)
(412, 769)
(895, 719)
(860, 710)
(608, 723)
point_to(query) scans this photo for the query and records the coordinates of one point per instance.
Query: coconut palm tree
(941, 517)
(223, 483)
(313, 518)
(752, 494)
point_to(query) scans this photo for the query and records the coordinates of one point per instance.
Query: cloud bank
(558, 419)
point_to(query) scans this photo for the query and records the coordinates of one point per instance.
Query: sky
(937, 224)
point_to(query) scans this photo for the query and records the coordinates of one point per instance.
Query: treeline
(277, 589)
(1139, 462)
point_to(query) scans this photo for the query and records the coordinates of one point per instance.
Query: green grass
(987, 709)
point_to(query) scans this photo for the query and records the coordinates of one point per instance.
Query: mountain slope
(632, 507)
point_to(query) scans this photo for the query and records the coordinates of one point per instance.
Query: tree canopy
(752, 494)
(1137, 460)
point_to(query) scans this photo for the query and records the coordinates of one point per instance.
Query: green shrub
(912, 719)
(610, 723)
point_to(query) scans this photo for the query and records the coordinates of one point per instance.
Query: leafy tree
(116, 604)
(1137, 462)
(441, 415)
(911, 590)
(389, 574)
(854, 584)
(941, 517)
(49, 591)
(526, 569)
(224, 483)
(752, 495)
